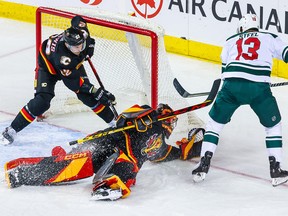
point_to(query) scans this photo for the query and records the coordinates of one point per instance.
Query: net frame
(120, 26)
(159, 65)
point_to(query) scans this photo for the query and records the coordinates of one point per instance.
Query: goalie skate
(104, 193)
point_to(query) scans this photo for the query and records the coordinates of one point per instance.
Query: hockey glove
(142, 117)
(79, 22)
(90, 50)
(105, 97)
(191, 146)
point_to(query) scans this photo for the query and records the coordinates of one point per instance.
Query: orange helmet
(170, 123)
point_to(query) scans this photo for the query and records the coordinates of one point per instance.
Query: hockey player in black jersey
(61, 57)
(115, 159)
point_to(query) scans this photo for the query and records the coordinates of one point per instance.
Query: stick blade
(186, 94)
(180, 89)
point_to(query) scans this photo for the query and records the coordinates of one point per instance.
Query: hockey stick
(186, 94)
(205, 103)
(278, 84)
(102, 86)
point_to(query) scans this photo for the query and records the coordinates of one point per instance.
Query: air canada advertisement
(207, 21)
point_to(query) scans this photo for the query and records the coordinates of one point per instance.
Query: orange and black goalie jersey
(138, 147)
(55, 58)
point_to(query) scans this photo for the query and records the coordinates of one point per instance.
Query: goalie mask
(74, 38)
(249, 21)
(170, 123)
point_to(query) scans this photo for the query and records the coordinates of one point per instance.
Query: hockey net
(130, 58)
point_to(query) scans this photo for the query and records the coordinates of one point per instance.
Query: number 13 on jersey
(248, 47)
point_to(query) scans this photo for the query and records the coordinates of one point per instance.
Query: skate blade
(279, 181)
(4, 141)
(198, 177)
(113, 195)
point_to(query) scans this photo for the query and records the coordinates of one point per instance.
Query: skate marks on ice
(36, 140)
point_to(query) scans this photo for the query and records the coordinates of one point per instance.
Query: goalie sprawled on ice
(115, 159)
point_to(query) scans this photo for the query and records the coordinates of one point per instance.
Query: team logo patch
(153, 145)
(43, 85)
(65, 60)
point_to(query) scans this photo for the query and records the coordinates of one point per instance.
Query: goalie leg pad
(48, 170)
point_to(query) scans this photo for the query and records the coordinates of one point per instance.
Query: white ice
(238, 182)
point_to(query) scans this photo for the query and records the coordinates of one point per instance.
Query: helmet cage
(168, 124)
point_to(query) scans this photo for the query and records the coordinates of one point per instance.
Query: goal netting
(130, 58)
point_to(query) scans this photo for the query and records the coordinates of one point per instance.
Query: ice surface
(238, 182)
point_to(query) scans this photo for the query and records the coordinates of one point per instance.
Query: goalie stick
(186, 94)
(205, 103)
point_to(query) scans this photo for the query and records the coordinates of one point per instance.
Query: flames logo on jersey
(153, 145)
(65, 60)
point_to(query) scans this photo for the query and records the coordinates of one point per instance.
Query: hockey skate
(278, 175)
(7, 136)
(106, 193)
(202, 168)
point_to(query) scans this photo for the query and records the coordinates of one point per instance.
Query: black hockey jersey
(59, 61)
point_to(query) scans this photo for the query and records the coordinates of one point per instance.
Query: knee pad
(40, 103)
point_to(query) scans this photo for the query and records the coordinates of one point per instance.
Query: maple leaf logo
(147, 8)
(151, 3)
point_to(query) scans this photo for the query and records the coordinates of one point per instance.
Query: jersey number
(253, 45)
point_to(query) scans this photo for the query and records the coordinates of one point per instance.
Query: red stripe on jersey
(130, 152)
(81, 81)
(99, 108)
(27, 115)
(124, 158)
(48, 64)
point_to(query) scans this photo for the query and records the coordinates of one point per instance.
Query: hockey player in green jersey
(246, 69)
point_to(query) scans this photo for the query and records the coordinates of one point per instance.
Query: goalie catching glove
(191, 146)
